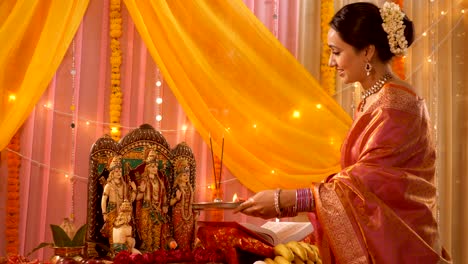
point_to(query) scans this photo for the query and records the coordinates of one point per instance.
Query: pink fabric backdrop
(51, 149)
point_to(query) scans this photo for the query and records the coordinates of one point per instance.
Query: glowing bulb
(87, 123)
(66, 176)
(254, 126)
(429, 60)
(159, 100)
(356, 85)
(296, 114)
(443, 13)
(114, 130)
(184, 127)
(424, 34)
(158, 83)
(319, 106)
(12, 98)
(209, 186)
(273, 171)
(228, 128)
(158, 118)
(463, 11)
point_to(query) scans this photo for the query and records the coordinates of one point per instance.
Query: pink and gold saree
(380, 207)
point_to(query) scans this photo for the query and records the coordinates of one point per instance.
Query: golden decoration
(115, 102)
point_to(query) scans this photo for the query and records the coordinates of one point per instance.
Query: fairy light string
(159, 101)
(275, 18)
(73, 132)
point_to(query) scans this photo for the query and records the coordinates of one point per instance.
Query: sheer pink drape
(56, 140)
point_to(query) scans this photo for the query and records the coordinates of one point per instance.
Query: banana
(269, 261)
(284, 251)
(311, 255)
(282, 260)
(298, 260)
(314, 248)
(297, 249)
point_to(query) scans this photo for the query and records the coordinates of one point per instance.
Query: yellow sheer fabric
(34, 37)
(237, 83)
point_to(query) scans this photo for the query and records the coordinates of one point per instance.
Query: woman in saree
(380, 208)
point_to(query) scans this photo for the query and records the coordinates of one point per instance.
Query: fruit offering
(294, 252)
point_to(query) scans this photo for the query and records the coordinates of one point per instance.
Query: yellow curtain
(237, 83)
(34, 37)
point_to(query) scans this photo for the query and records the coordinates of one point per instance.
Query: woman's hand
(262, 204)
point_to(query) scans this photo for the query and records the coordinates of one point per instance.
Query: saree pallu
(380, 207)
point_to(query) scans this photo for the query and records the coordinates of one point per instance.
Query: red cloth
(231, 239)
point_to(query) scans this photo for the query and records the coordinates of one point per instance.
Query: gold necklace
(374, 89)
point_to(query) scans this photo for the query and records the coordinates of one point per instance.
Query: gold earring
(368, 68)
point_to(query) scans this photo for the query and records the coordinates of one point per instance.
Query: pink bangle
(305, 200)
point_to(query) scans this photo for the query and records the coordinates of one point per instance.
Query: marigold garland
(327, 73)
(115, 101)
(13, 195)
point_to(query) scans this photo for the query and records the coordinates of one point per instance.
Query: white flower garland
(393, 24)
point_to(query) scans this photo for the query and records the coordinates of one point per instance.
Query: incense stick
(221, 165)
(212, 158)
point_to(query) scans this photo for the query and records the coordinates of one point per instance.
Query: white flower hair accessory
(392, 18)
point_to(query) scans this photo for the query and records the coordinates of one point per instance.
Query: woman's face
(153, 168)
(348, 62)
(184, 177)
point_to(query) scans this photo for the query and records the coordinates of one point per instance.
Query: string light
(254, 125)
(296, 114)
(318, 106)
(158, 99)
(73, 132)
(11, 98)
(275, 18)
(88, 121)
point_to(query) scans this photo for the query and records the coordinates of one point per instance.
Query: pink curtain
(56, 141)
